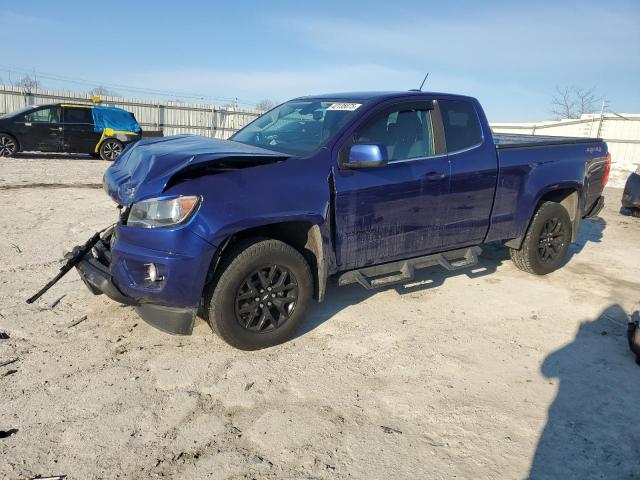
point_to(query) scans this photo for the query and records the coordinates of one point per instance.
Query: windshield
(22, 110)
(298, 127)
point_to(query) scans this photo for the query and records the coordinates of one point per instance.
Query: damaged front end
(152, 165)
(157, 256)
(135, 284)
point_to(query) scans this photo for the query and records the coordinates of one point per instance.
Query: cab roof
(62, 104)
(377, 96)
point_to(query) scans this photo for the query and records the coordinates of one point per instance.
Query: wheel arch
(567, 195)
(303, 235)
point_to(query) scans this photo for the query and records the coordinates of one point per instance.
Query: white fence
(170, 117)
(620, 131)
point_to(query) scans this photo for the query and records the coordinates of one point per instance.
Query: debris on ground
(4, 336)
(53, 304)
(8, 433)
(4, 363)
(76, 322)
(390, 430)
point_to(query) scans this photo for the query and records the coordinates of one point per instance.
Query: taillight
(607, 169)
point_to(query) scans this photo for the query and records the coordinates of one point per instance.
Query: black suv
(95, 129)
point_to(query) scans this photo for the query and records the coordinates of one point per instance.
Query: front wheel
(546, 243)
(260, 294)
(8, 145)
(110, 149)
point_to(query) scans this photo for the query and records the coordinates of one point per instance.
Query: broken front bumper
(95, 273)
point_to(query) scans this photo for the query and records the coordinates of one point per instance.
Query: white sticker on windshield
(348, 107)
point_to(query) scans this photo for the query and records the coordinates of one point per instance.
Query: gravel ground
(489, 373)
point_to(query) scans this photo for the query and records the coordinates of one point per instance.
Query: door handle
(435, 176)
(56, 129)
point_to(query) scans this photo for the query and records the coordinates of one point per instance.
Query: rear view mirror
(367, 156)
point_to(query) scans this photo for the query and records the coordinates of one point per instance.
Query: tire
(251, 304)
(8, 145)
(110, 149)
(547, 241)
(635, 212)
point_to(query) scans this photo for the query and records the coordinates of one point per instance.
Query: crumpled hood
(145, 168)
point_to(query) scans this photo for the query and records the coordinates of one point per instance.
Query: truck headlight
(162, 212)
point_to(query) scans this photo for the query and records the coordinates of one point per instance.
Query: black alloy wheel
(266, 298)
(8, 146)
(259, 294)
(551, 240)
(110, 150)
(546, 243)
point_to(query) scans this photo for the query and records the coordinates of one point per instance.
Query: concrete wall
(620, 131)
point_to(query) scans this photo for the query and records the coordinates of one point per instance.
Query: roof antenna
(421, 85)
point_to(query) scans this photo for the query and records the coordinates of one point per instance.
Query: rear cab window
(461, 125)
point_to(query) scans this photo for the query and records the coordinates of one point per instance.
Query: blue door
(474, 172)
(394, 211)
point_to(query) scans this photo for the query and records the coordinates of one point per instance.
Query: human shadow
(338, 298)
(593, 425)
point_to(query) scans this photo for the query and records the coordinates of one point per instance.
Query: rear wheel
(260, 294)
(546, 243)
(110, 149)
(8, 145)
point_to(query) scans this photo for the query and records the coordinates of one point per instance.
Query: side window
(78, 115)
(405, 133)
(461, 125)
(44, 115)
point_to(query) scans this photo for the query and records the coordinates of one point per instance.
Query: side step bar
(404, 270)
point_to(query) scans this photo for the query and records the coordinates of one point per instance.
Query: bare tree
(572, 102)
(103, 91)
(266, 104)
(27, 83)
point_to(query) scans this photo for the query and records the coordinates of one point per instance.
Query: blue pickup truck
(365, 187)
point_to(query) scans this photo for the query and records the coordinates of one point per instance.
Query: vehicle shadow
(55, 156)
(339, 298)
(591, 230)
(593, 425)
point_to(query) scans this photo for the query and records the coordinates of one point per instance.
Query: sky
(509, 55)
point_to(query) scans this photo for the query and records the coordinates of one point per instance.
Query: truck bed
(516, 140)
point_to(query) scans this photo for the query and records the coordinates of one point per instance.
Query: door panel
(473, 184)
(43, 130)
(473, 174)
(79, 134)
(390, 212)
(395, 211)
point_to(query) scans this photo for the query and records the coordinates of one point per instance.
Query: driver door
(43, 130)
(398, 210)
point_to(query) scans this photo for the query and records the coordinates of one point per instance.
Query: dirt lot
(490, 373)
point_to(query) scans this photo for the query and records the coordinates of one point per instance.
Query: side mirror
(367, 156)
